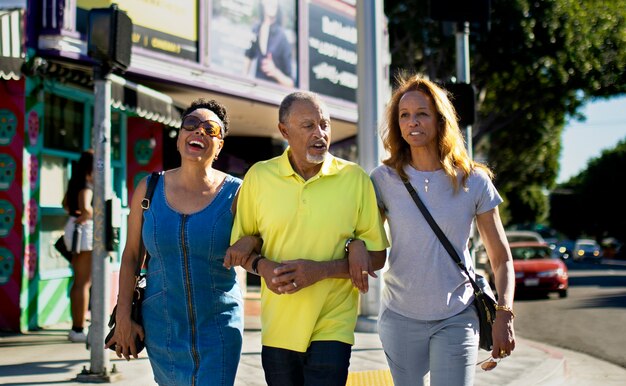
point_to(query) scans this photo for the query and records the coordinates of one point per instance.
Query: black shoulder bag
(135, 311)
(484, 300)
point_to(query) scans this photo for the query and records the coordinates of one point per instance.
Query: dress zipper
(192, 316)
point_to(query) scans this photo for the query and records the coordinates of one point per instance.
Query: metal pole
(100, 267)
(463, 75)
(463, 71)
(370, 98)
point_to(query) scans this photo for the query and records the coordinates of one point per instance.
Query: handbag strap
(145, 204)
(440, 235)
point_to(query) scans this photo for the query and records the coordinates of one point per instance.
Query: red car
(536, 271)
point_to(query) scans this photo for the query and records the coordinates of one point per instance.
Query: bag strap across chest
(440, 235)
(145, 205)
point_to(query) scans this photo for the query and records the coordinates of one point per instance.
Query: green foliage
(538, 64)
(595, 197)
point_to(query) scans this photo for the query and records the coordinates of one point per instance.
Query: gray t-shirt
(423, 282)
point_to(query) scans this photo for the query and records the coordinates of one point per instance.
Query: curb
(552, 370)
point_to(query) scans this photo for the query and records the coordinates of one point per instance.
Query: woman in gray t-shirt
(427, 324)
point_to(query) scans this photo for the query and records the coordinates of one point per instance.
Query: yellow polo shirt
(312, 220)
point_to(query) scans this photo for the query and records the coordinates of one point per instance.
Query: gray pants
(447, 349)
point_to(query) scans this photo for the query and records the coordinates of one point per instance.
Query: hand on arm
(302, 272)
(266, 269)
(364, 263)
(492, 233)
(243, 252)
(308, 272)
(362, 260)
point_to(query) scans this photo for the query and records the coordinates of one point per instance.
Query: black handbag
(138, 292)
(484, 300)
(62, 249)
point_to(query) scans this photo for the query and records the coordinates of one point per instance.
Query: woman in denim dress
(192, 310)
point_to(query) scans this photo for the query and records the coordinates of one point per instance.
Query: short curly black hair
(210, 104)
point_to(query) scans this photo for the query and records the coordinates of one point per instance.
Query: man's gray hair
(288, 101)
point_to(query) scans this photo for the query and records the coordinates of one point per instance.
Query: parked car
(537, 270)
(587, 249)
(611, 247)
(517, 236)
(563, 249)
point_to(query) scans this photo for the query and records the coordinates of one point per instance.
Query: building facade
(181, 50)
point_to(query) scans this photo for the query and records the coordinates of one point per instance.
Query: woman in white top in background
(78, 239)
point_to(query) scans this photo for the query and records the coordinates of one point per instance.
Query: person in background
(270, 47)
(427, 322)
(297, 217)
(192, 310)
(78, 238)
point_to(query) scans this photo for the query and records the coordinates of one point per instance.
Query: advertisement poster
(255, 39)
(333, 49)
(164, 26)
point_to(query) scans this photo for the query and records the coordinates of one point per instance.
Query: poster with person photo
(255, 38)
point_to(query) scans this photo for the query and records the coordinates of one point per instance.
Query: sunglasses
(210, 127)
(488, 364)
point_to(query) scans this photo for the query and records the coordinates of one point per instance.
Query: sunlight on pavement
(370, 378)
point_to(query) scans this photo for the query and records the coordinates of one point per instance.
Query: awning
(145, 102)
(11, 50)
(125, 95)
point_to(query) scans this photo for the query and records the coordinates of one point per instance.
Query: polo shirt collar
(329, 166)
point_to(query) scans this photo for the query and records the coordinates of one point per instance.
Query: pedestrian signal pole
(463, 70)
(109, 45)
(100, 263)
(372, 92)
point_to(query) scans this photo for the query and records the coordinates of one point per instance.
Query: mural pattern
(11, 203)
(145, 151)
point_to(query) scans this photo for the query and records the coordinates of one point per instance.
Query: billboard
(255, 39)
(164, 26)
(333, 49)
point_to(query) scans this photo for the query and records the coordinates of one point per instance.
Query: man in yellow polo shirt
(307, 207)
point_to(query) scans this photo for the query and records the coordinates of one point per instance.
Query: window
(63, 123)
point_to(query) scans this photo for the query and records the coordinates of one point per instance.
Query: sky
(582, 141)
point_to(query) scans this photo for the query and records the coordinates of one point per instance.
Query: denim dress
(193, 306)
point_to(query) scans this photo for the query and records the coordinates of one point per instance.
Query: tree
(592, 202)
(534, 69)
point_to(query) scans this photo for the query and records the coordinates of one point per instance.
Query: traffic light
(463, 98)
(109, 37)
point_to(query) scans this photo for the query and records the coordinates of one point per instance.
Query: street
(591, 320)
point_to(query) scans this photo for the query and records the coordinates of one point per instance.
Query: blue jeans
(324, 363)
(447, 349)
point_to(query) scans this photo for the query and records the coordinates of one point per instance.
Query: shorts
(83, 233)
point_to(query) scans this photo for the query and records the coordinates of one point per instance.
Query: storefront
(182, 50)
(44, 125)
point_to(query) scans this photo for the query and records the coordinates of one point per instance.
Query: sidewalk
(47, 357)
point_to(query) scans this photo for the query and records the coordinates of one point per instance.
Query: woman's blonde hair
(450, 144)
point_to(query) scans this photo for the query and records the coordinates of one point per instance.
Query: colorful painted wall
(14, 263)
(144, 151)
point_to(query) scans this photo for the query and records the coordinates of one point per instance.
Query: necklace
(426, 175)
